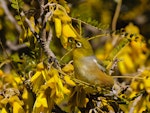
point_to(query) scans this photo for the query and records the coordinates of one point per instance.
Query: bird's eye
(78, 44)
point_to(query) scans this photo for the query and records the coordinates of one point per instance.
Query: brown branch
(15, 47)
(43, 40)
(9, 15)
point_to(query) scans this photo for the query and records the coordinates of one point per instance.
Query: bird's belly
(85, 74)
(91, 73)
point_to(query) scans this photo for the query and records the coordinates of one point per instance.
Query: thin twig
(135, 102)
(97, 36)
(46, 44)
(85, 23)
(15, 47)
(114, 65)
(66, 54)
(44, 40)
(28, 22)
(9, 15)
(4, 62)
(116, 15)
(129, 77)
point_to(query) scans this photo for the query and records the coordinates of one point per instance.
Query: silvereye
(86, 66)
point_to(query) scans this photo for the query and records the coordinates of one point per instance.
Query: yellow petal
(40, 66)
(131, 28)
(41, 101)
(66, 91)
(128, 61)
(58, 27)
(122, 67)
(69, 81)
(17, 108)
(65, 18)
(62, 15)
(64, 41)
(25, 94)
(147, 84)
(68, 68)
(4, 110)
(1, 73)
(35, 76)
(68, 31)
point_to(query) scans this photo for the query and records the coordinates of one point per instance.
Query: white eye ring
(78, 44)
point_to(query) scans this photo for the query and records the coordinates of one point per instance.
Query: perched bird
(87, 67)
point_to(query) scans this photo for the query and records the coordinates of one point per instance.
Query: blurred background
(135, 11)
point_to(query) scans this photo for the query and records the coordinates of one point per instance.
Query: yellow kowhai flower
(58, 27)
(56, 86)
(40, 104)
(68, 68)
(17, 108)
(51, 92)
(3, 110)
(15, 104)
(39, 77)
(28, 100)
(126, 65)
(131, 28)
(1, 73)
(41, 101)
(69, 81)
(146, 80)
(37, 80)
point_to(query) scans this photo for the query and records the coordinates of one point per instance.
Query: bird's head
(81, 48)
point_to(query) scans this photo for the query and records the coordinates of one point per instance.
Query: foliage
(36, 66)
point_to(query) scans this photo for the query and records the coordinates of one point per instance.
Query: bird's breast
(87, 69)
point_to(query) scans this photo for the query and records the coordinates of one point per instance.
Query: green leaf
(19, 1)
(10, 36)
(15, 57)
(118, 48)
(18, 17)
(14, 2)
(21, 4)
(15, 6)
(19, 22)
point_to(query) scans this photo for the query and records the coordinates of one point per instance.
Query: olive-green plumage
(86, 67)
